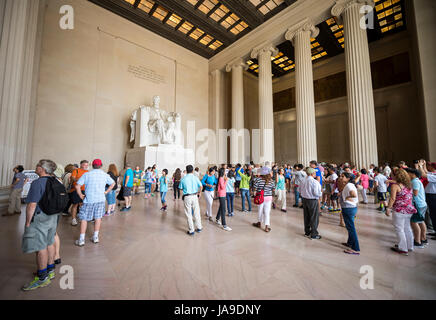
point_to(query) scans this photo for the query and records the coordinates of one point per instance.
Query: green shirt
(245, 180)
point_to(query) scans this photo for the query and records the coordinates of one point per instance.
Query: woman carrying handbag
(263, 197)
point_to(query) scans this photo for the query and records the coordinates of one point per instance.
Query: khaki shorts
(40, 234)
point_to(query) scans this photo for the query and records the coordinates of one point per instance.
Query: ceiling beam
(246, 11)
(198, 19)
(141, 18)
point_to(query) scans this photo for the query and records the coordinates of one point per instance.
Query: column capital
(342, 5)
(303, 25)
(238, 62)
(263, 48)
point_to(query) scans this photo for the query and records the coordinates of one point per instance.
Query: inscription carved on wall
(145, 73)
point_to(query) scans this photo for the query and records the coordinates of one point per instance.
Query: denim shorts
(110, 198)
(419, 216)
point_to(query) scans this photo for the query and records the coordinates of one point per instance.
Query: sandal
(267, 229)
(257, 224)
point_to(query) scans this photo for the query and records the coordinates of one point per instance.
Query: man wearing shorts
(74, 196)
(40, 228)
(93, 207)
(128, 187)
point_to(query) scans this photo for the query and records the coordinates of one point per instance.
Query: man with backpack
(94, 203)
(47, 197)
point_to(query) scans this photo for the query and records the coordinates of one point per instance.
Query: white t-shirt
(381, 180)
(351, 203)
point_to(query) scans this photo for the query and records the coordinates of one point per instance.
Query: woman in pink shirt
(222, 181)
(364, 183)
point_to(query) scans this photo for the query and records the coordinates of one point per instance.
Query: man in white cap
(310, 190)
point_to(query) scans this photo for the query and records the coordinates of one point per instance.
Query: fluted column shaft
(237, 145)
(305, 102)
(266, 115)
(361, 113)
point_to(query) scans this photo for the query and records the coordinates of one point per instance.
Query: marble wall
(90, 83)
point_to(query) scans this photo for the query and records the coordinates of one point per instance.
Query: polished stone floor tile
(146, 254)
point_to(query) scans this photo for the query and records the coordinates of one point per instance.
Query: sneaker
(295, 205)
(316, 237)
(323, 207)
(199, 230)
(124, 209)
(58, 261)
(218, 222)
(51, 274)
(74, 222)
(106, 214)
(283, 210)
(418, 245)
(190, 233)
(79, 243)
(395, 249)
(424, 242)
(95, 240)
(307, 235)
(227, 228)
(36, 283)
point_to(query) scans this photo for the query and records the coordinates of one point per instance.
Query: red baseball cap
(97, 162)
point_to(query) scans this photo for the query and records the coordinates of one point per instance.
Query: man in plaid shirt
(93, 206)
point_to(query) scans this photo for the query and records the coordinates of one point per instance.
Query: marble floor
(146, 254)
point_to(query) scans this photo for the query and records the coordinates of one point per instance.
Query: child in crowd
(380, 183)
(163, 187)
(137, 175)
(148, 181)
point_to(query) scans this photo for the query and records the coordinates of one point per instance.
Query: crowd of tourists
(407, 193)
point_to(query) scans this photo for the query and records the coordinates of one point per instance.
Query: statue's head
(156, 101)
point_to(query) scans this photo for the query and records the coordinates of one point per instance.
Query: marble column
(18, 49)
(217, 151)
(237, 146)
(361, 113)
(300, 35)
(263, 54)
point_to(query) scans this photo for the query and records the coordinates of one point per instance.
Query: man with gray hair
(310, 190)
(40, 229)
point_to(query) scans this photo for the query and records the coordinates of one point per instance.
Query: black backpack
(55, 197)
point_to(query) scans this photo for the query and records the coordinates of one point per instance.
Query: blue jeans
(349, 214)
(162, 197)
(297, 196)
(230, 196)
(147, 187)
(245, 194)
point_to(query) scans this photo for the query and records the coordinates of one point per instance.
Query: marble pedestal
(164, 156)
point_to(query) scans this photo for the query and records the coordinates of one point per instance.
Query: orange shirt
(76, 174)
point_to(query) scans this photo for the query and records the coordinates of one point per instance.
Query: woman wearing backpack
(263, 197)
(110, 196)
